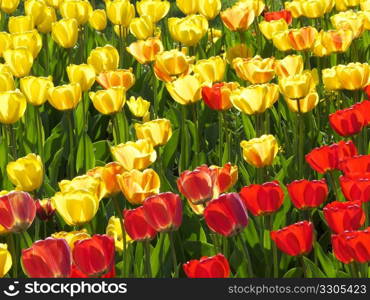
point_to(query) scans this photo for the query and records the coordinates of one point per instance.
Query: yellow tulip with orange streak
(171, 64)
(145, 51)
(255, 70)
(237, 18)
(116, 78)
(289, 65)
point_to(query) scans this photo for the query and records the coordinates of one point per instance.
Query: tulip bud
(20, 24)
(138, 106)
(118, 78)
(98, 19)
(6, 82)
(155, 9)
(36, 89)
(109, 101)
(281, 41)
(217, 97)
(303, 105)
(120, 12)
(49, 18)
(82, 74)
(185, 90)
(142, 28)
(347, 122)
(65, 32)
(114, 230)
(36, 9)
(20, 61)
(289, 65)
(269, 29)
(9, 6)
(65, 97)
(44, 209)
(308, 194)
(76, 9)
(104, 59)
(13, 105)
(158, 131)
(5, 260)
(297, 86)
(209, 8)
(355, 188)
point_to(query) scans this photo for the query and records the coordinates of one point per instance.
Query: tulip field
(185, 139)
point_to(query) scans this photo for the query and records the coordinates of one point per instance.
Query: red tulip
(226, 177)
(261, 199)
(342, 216)
(367, 90)
(347, 122)
(94, 256)
(44, 209)
(17, 211)
(163, 212)
(277, 15)
(77, 273)
(364, 108)
(355, 188)
(295, 239)
(345, 150)
(208, 267)
(226, 215)
(136, 226)
(308, 194)
(217, 97)
(47, 258)
(356, 167)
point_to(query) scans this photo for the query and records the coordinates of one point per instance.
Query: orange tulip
(302, 38)
(145, 51)
(237, 17)
(117, 78)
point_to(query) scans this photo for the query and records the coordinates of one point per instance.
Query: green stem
(117, 131)
(366, 208)
(197, 139)
(148, 267)
(353, 270)
(246, 256)
(27, 239)
(274, 249)
(304, 268)
(13, 142)
(334, 184)
(155, 94)
(221, 136)
(71, 155)
(120, 216)
(40, 135)
(173, 251)
(13, 252)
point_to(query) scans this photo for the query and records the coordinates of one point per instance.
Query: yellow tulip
(331, 80)
(297, 86)
(76, 9)
(365, 5)
(120, 12)
(255, 99)
(134, 155)
(255, 70)
(92, 184)
(260, 152)
(237, 17)
(142, 27)
(257, 6)
(98, 19)
(76, 207)
(145, 51)
(6, 82)
(209, 8)
(20, 24)
(65, 32)
(30, 40)
(281, 41)
(138, 106)
(26, 173)
(349, 20)
(121, 31)
(65, 97)
(333, 41)
(72, 236)
(104, 59)
(210, 70)
(188, 7)
(49, 18)
(305, 104)
(294, 7)
(5, 42)
(240, 50)
(155, 9)
(343, 5)
(12, 106)
(316, 8)
(269, 29)
(117, 78)
(302, 38)
(185, 90)
(214, 35)
(366, 16)
(5, 260)
(158, 131)
(136, 186)
(109, 101)
(36, 89)
(9, 6)
(83, 74)
(289, 65)
(114, 230)
(54, 3)
(36, 9)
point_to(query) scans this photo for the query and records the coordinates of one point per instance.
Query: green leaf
(54, 166)
(312, 269)
(324, 261)
(170, 149)
(293, 273)
(85, 159)
(102, 150)
(160, 255)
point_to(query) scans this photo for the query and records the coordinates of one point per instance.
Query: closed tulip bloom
(294, 7)
(189, 30)
(120, 12)
(20, 24)
(82, 74)
(289, 65)
(255, 70)
(239, 50)
(49, 258)
(237, 18)
(49, 18)
(255, 99)
(306, 104)
(65, 32)
(262, 199)
(135, 155)
(136, 226)
(114, 230)
(104, 59)
(316, 8)
(336, 40)
(258, 6)
(211, 69)
(226, 215)
(26, 173)
(13, 104)
(72, 237)
(117, 78)
(364, 107)
(158, 131)
(295, 239)
(84, 182)
(226, 177)
(145, 51)
(356, 166)
(209, 8)
(31, 40)
(17, 211)
(76, 9)
(5, 260)
(278, 15)
(208, 267)
(297, 86)
(138, 106)
(302, 38)
(9, 6)
(170, 64)
(44, 209)
(76, 207)
(347, 122)
(98, 19)
(260, 152)
(65, 97)
(281, 41)
(36, 9)
(355, 188)
(94, 256)
(308, 194)
(217, 97)
(142, 28)
(137, 185)
(354, 76)
(5, 42)
(185, 90)
(155, 9)
(349, 20)
(6, 82)
(20, 61)
(188, 7)
(36, 89)
(269, 29)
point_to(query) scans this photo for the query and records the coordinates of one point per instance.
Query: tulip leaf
(198, 248)
(170, 149)
(160, 257)
(53, 167)
(324, 261)
(102, 151)
(293, 273)
(312, 269)
(85, 159)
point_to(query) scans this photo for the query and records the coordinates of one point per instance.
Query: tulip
(134, 155)
(142, 28)
(298, 86)
(163, 212)
(240, 50)
(121, 31)
(255, 99)
(44, 209)
(109, 101)
(114, 230)
(262, 199)
(118, 78)
(65, 97)
(12, 106)
(92, 184)
(288, 66)
(356, 166)
(71, 237)
(185, 90)
(82, 74)
(20, 61)
(20, 24)
(269, 29)
(138, 106)
(226, 215)
(76, 9)
(136, 226)
(335, 40)
(302, 38)
(36, 89)
(211, 69)
(120, 12)
(209, 8)
(5, 260)
(347, 122)
(5, 42)
(281, 40)
(306, 104)
(9, 6)
(137, 185)
(170, 64)
(302, 235)
(341, 248)
(77, 273)
(155, 9)
(76, 207)
(94, 256)
(17, 211)
(349, 20)
(65, 32)
(260, 152)
(258, 6)
(158, 131)
(226, 177)
(26, 173)
(31, 40)
(316, 8)
(104, 59)
(188, 7)
(255, 70)
(49, 18)
(237, 17)
(355, 188)
(36, 9)
(278, 15)
(363, 107)
(6, 82)
(308, 194)
(98, 19)
(208, 267)
(145, 51)
(217, 97)
(365, 5)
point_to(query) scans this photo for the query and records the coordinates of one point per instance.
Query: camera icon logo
(12, 290)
